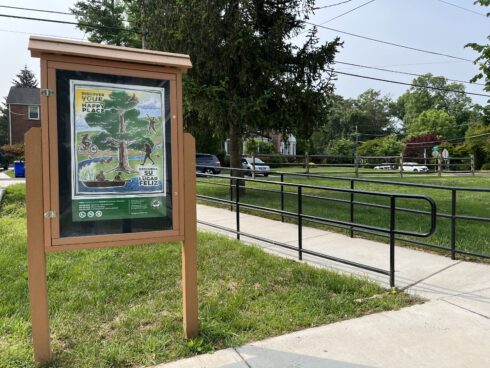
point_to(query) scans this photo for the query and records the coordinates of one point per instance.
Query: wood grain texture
(36, 257)
(189, 245)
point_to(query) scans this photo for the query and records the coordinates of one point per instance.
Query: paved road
(452, 329)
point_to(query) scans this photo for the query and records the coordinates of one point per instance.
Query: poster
(118, 151)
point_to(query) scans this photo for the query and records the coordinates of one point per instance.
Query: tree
(483, 61)
(248, 73)
(416, 146)
(25, 79)
(383, 146)
(120, 123)
(477, 142)
(371, 113)
(447, 97)
(341, 147)
(433, 121)
(4, 123)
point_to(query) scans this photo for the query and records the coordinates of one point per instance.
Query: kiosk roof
(40, 45)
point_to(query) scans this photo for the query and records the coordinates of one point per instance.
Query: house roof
(24, 96)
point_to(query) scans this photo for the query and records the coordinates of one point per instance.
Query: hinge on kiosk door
(50, 214)
(47, 92)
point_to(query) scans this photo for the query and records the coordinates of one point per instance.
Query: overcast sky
(426, 24)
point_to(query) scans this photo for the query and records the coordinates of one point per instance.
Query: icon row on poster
(89, 214)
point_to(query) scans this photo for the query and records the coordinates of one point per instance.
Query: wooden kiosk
(110, 165)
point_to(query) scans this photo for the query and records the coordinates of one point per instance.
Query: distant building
(282, 146)
(24, 112)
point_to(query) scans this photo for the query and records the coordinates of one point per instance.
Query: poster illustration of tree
(118, 151)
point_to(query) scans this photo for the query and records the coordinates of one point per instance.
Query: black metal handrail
(235, 186)
(453, 215)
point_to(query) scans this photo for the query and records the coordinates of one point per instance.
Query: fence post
(237, 207)
(282, 198)
(300, 223)
(472, 164)
(307, 163)
(253, 165)
(439, 165)
(453, 224)
(401, 165)
(392, 241)
(352, 208)
(356, 165)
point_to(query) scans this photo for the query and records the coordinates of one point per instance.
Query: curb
(2, 192)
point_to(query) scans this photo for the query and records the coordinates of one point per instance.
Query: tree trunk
(123, 158)
(235, 149)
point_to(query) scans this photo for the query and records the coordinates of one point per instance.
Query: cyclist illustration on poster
(118, 151)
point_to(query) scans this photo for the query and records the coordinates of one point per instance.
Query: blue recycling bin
(19, 169)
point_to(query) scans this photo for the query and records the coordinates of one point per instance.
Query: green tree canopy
(483, 60)
(248, 73)
(433, 121)
(25, 78)
(447, 97)
(382, 146)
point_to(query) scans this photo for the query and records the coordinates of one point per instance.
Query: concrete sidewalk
(6, 180)
(452, 329)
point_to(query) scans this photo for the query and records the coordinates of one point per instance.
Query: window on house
(34, 112)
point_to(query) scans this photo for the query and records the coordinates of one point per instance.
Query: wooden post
(36, 257)
(439, 165)
(401, 165)
(189, 245)
(307, 163)
(356, 165)
(253, 165)
(472, 164)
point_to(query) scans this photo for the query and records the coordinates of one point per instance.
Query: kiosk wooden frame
(43, 181)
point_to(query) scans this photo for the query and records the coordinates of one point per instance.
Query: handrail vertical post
(237, 207)
(392, 240)
(352, 208)
(282, 198)
(300, 223)
(453, 224)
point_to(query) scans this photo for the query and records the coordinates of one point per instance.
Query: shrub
(485, 166)
(16, 151)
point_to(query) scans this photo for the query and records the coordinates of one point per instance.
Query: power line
(411, 64)
(329, 6)
(401, 72)
(38, 34)
(389, 43)
(349, 11)
(409, 84)
(35, 10)
(64, 22)
(462, 8)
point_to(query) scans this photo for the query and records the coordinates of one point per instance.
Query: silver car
(261, 168)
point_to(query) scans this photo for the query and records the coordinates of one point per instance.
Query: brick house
(24, 112)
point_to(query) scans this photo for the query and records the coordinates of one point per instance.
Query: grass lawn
(121, 307)
(470, 235)
(10, 173)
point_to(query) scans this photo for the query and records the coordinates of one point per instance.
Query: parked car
(261, 168)
(4, 161)
(207, 164)
(385, 166)
(414, 167)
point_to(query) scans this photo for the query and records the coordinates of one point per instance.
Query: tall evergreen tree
(248, 73)
(25, 78)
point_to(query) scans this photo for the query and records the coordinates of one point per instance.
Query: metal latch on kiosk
(47, 92)
(50, 214)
